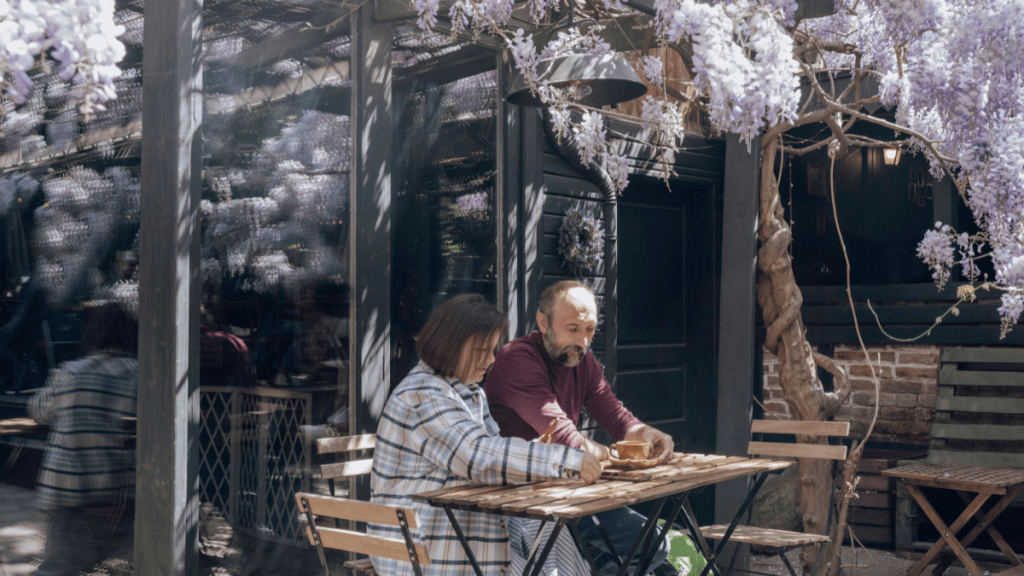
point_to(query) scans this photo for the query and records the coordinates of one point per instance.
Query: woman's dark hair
(110, 328)
(464, 318)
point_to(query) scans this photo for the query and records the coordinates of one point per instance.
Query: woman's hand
(590, 472)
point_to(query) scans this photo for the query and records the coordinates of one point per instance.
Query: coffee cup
(631, 450)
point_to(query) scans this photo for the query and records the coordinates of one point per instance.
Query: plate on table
(632, 464)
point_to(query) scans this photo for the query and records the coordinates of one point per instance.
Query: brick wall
(909, 377)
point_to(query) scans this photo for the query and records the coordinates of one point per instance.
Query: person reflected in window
(546, 378)
(86, 483)
(437, 432)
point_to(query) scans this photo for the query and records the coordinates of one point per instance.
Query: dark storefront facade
(312, 181)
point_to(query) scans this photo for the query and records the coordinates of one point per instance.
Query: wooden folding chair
(782, 541)
(359, 542)
(356, 465)
(350, 468)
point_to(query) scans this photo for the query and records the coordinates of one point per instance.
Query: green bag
(683, 554)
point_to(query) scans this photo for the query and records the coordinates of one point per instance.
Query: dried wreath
(580, 241)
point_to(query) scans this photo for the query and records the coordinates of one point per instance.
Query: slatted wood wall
(979, 415)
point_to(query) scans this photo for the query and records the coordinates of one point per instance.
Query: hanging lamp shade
(587, 79)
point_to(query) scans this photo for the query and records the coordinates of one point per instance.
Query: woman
(437, 432)
(87, 480)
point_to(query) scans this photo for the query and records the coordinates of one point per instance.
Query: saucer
(631, 464)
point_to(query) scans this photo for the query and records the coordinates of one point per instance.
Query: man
(546, 378)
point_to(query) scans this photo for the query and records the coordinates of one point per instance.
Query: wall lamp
(891, 156)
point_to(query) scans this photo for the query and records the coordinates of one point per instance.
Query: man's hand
(597, 450)
(661, 443)
(590, 472)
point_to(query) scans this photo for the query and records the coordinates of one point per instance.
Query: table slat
(437, 496)
(698, 467)
(572, 499)
(581, 493)
(578, 510)
(498, 500)
(968, 477)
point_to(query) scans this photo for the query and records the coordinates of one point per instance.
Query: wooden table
(565, 502)
(965, 479)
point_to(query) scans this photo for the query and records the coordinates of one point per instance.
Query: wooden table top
(569, 499)
(968, 477)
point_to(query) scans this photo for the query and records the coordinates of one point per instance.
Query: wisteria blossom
(86, 214)
(78, 37)
(654, 69)
(572, 42)
(617, 167)
(590, 135)
(278, 239)
(952, 70)
(472, 205)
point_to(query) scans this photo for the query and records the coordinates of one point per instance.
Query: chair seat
(768, 537)
(362, 565)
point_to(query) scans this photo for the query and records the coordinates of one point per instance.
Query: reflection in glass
(444, 166)
(275, 229)
(69, 224)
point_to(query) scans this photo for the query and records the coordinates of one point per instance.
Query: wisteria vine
(952, 69)
(77, 37)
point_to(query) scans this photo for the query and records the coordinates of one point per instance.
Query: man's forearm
(598, 450)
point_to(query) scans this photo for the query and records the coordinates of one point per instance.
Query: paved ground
(225, 553)
(871, 562)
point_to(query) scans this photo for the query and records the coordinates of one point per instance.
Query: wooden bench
(979, 411)
(782, 541)
(358, 464)
(359, 542)
(978, 427)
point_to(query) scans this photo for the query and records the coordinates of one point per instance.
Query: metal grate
(218, 481)
(254, 458)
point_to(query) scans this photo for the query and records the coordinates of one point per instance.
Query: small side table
(965, 479)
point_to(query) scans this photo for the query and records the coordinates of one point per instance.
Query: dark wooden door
(666, 309)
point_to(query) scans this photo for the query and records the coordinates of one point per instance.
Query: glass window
(69, 226)
(275, 257)
(444, 178)
(881, 242)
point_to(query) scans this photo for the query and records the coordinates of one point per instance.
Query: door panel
(652, 313)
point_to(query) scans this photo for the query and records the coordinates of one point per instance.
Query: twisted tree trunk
(780, 301)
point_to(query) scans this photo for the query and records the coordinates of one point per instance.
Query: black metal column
(371, 215)
(611, 295)
(736, 335)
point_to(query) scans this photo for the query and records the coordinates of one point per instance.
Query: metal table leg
(652, 521)
(547, 549)
(642, 568)
(585, 550)
(462, 540)
(702, 545)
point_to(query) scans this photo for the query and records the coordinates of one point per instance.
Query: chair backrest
(404, 549)
(799, 428)
(346, 445)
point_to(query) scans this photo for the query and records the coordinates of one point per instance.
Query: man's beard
(569, 356)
